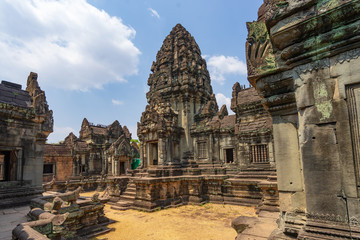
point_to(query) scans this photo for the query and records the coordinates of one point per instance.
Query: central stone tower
(180, 93)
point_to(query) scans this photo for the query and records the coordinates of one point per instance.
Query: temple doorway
(153, 153)
(122, 168)
(8, 165)
(229, 155)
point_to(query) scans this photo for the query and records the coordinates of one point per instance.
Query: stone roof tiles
(248, 95)
(81, 146)
(56, 149)
(11, 93)
(99, 130)
(257, 125)
(228, 121)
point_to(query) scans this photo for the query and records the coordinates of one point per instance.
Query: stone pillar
(210, 152)
(109, 164)
(195, 149)
(19, 165)
(142, 156)
(112, 166)
(74, 166)
(91, 162)
(161, 151)
(147, 147)
(169, 150)
(103, 163)
(116, 166)
(271, 154)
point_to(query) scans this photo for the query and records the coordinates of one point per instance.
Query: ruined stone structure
(190, 151)
(100, 150)
(63, 216)
(25, 123)
(303, 59)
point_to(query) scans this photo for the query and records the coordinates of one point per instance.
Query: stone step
(130, 194)
(120, 208)
(20, 193)
(19, 188)
(127, 198)
(18, 201)
(257, 176)
(124, 203)
(244, 194)
(131, 190)
(242, 201)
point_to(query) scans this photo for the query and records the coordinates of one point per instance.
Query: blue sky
(94, 57)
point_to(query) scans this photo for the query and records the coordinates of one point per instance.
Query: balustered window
(259, 153)
(202, 149)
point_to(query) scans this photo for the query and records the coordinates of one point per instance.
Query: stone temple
(292, 146)
(190, 150)
(100, 151)
(182, 124)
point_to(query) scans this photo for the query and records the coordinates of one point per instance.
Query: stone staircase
(127, 199)
(17, 195)
(243, 188)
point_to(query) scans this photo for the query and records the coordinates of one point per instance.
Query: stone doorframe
(17, 153)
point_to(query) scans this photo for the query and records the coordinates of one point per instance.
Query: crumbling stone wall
(309, 76)
(25, 123)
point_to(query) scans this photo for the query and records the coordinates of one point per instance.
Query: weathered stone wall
(61, 159)
(309, 79)
(154, 193)
(25, 123)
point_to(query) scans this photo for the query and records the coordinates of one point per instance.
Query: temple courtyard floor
(209, 221)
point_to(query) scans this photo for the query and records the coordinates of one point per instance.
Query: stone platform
(248, 188)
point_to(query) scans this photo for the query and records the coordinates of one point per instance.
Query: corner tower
(180, 90)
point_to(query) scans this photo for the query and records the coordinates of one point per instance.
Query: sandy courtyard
(210, 221)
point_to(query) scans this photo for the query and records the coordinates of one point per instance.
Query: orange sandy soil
(209, 221)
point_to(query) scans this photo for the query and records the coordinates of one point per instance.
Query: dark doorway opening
(122, 168)
(229, 155)
(154, 153)
(7, 166)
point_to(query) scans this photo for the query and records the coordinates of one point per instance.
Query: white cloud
(221, 99)
(60, 133)
(117, 102)
(71, 44)
(154, 13)
(220, 66)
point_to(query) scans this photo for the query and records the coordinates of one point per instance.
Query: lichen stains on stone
(325, 109)
(322, 102)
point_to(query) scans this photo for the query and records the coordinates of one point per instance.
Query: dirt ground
(209, 221)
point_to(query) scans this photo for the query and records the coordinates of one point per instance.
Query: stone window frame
(202, 149)
(53, 169)
(259, 153)
(224, 154)
(354, 129)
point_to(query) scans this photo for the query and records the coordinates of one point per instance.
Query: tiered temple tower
(180, 92)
